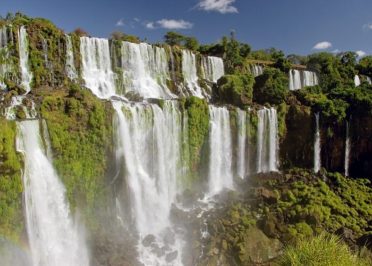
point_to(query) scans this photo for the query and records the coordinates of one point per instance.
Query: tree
(80, 32)
(120, 36)
(191, 43)
(174, 38)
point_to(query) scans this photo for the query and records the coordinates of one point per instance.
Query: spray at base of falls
(267, 141)
(53, 237)
(317, 148)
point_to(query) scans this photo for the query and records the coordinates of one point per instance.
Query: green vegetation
(198, 120)
(173, 38)
(120, 36)
(235, 89)
(322, 250)
(271, 87)
(79, 125)
(11, 217)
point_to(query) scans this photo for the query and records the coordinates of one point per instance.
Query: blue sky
(295, 26)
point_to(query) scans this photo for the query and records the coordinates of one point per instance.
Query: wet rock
(365, 240)
(171, 256)
(148, 240)
(347, 235)
(268, 196)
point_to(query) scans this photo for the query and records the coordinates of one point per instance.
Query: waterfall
(23, 59)
(26, 78)
(256, 70)
(96, 66)
(347, 149)
(54, 239)
(369, 81)
(317, 148)
(357, 81)
(267, 141)
(70, 64)
(212, 68)
(220, 145)
(149, 145)
(145, 70)
(299, 79)
(242, 139)
(4, 68)
(190, 74)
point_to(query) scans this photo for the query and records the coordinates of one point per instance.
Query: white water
(4, 67)
(369, 81)
(347, 149)
(242, 139)
(145, 70)
(149, 144)
(70, 64)
(299, 79)
(267, 141)
(54, 239)
(357, 81)
(96, 67)
(189, 72)
(257, 70)
(317, 148)
(220, 150)
(26, 78)
(26, 75)
(212, 68)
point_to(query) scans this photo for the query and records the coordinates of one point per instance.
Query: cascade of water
(317, 148)
(190, 74)
(26, 78)
(70, 64)
(145, 70)
(347, 149)
(144, 134)
(54, 239)
(23, 60)
(4, 68)
(357, 81)
(242, 139)
(256, 70)
(267, 140)
(294, 79)
(212, 68)
(220, 141)
(302, 78)
(96, 66)
(369, 81)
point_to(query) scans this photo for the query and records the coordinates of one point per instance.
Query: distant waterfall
(369, 81)
(70, 64)
(220, 153)
(54, 239)
(357, 81)
(26, 75)
(242, 139)
(96, 66)
(149, 145)
(4, 68)
(190, 75)
(347, 149)
(26, 78)
(267, 140)
(317, 148)
(145, 70)
(299, 79)
(212, 68)
(256, 70)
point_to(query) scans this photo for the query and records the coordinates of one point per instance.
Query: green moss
(11, 218)
(282, 113)
(198, 123)
(235, 89)
(80, 130)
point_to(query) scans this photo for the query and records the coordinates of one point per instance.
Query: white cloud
(170, 24)
(120, 23)
(367, 26)
(361, 53)
(221, 6)
(322, 45)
